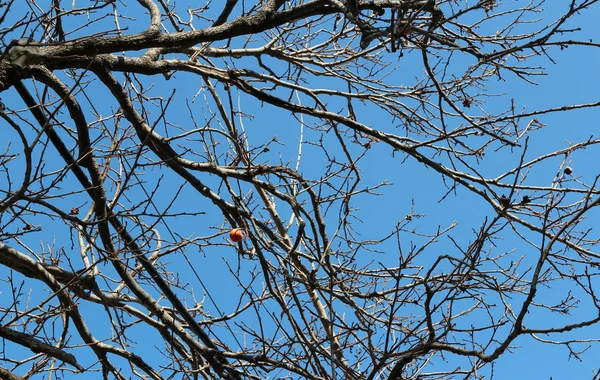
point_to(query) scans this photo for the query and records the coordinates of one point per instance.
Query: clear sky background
(572, 78)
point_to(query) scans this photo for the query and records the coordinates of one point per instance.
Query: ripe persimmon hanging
(236, 235)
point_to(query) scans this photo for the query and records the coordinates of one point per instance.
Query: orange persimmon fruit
(236, 235)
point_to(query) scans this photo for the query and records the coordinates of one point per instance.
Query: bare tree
(138, 135)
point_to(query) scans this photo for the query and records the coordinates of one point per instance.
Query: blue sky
(572, 78)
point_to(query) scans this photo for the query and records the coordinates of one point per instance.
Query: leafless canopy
(401, 216)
